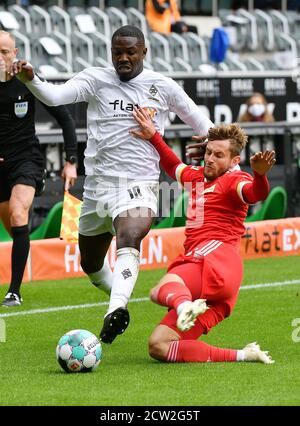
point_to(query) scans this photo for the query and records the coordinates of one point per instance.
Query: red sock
(173, 294)
(196, 351)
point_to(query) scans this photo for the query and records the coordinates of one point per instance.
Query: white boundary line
(141, 299)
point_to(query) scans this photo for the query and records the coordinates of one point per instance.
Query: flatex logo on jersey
(120, 105)
(122, 109)
(21, 109)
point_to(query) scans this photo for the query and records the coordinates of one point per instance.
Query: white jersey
(111, 149)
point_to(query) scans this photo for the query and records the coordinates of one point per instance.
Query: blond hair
(232, 132)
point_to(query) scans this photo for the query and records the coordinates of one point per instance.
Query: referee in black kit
(22, 163)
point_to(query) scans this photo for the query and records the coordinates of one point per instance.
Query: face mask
(257, 110)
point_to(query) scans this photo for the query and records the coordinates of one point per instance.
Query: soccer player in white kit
(121, 185)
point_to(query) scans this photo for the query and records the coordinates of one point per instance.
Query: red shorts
(215, 276)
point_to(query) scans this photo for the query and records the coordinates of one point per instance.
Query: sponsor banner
(271, 238)
(54, 259)
(221, 98)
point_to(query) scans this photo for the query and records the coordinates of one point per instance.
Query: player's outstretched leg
(253, 353)
(190, 311)
(114, 323)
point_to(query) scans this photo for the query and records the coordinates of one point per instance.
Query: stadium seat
(101, 49)
(41, 20)
(83, 51)
(50, 228)
(237, 29)
(8, 21)
(137, 19)
(117, 18)
(49, 56)
(274, 207)
(280, 21)
(23, 18)
(23, 43)
(197, 50)
(65, 60)
(4, 235)
(101, 21)
(233, 62)
(61, 20)
(252, 39)
(160, 52)
(179, 52)
(177, 215)
(288, 45)
(254, 64)
(265, 30)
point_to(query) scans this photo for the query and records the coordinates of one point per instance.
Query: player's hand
(147, 128)
(1, 159)
(262, 162)
(23, 70)
(196, 151)
(69, 174)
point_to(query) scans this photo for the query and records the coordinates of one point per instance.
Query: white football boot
(186, 318)
(253, 353)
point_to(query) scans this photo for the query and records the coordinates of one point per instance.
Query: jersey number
(134, 192)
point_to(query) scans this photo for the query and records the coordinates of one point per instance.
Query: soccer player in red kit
(201, 286)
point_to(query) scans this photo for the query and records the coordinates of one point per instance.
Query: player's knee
(154, 294)
(130, 237)
(158, 349)
(90, 266)
(18, 216)
(90, 263)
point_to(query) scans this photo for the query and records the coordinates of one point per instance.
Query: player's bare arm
(22, 70)
(262, 162)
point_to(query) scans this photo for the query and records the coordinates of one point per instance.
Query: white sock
(103, 278)
(181, 306)
(241, 355)
(124, 277)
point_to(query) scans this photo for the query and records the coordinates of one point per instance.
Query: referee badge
(21, 109)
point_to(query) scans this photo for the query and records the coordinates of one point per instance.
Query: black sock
(19, 254)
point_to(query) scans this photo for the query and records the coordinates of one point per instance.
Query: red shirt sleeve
(168, 159)
(257, 190)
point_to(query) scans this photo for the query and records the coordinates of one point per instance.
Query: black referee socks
(19, 254)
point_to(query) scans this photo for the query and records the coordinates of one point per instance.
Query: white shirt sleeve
(187, 110)
(77, 89)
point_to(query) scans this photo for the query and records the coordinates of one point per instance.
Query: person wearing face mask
(257, 110)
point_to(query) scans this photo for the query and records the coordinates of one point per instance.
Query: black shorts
(26, 167)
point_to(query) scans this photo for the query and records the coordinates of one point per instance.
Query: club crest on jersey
(153, 90)
(210, 189)
(21, 109)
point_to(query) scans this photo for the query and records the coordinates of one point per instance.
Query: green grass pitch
(30, 374)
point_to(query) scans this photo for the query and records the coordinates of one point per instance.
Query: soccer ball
(79, 351)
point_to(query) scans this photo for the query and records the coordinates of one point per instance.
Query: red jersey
(216, 209)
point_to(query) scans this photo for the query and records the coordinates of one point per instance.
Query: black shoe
(12, 299)
(114, 323)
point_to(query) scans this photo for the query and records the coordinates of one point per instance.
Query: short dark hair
(129, 31)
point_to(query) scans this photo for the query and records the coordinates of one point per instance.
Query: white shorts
(105, 198)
